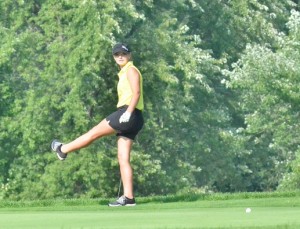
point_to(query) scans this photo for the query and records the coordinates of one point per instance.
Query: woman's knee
(90, 136)
(123, 159)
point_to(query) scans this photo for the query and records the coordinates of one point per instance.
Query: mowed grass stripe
(175, 218)
(282, 212)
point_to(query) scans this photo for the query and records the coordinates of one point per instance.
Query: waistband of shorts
(125, 106)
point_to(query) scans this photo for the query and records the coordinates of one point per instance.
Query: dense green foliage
(221, 88)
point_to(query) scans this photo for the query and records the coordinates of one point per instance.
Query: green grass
(269, 210)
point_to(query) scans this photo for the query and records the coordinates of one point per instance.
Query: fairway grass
(267, 212)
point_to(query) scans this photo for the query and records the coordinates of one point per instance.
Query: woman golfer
(126, 122)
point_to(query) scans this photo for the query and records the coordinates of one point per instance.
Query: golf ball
(248, 210)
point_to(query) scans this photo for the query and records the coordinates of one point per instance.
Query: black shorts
(126, 129)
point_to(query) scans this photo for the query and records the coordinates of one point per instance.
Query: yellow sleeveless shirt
(124, 89)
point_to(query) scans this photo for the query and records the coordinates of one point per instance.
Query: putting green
(197, 214)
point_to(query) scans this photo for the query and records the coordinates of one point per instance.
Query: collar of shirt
(124, 69)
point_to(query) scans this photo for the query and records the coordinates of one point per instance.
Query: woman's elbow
(137, 93)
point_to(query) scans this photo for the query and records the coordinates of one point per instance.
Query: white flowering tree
(268, 81)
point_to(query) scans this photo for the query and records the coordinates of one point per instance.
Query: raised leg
(102, 129)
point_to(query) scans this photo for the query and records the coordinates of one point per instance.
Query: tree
(269, 78)
(58, 80)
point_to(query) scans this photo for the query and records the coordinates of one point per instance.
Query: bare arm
(133, 77)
